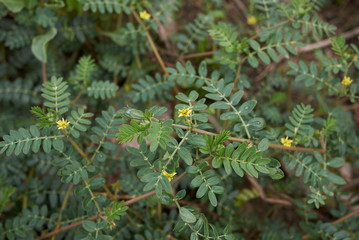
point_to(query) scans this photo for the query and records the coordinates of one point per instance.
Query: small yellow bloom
(347, 81)
(145, 15)
(251, 20)
(185, 112)
(169, 176)
(286, 141)
(62, 124)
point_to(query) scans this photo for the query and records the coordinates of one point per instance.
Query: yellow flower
(347, 81)
(251, 20)
(286, 142)
(145, 15)
(185, 112)
(169, 176)
(62, 124)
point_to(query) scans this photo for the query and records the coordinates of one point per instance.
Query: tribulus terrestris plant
(168, 119)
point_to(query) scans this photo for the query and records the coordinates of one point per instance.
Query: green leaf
(264, 57)
(251, 171)
(185, 154)
(166, 198)
(89, 226)
(39, 44)
(228, 115)
(273, 54)
(282, 51)
(97, 183)
(334, 178)
(20, 233)
(263, 145)
(254, 44)
(237, 97)
(186, 215)
(202, 190)
(218, 189)
(58, 144)
(166, 184)
(104, 237)
(247, 107)
(193, 96)
(253, 61)
(197, 181)
(212, 198)
(202, 69)
(46, 145)
(237, 169)
(227, 166)
(182, 97)
(256, 123)
(219, 105)
(194, 236)
(181, 194)
(14, 6)
(336, 162)
(158, 190)
(217, 162)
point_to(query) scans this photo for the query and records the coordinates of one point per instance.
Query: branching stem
(299, 149)
(129, 202)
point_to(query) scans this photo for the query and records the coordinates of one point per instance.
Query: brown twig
(63, 206)
(78, 149)
(349, 215)
(76, 98)
(129, 202)
(299, 149)
(171, 237)
(154, 48)
(44, 74)
(194, 55)
(241, 6)
(121, 197)
(325, 43)
(262, 194)
(352, 183)
(339, 220)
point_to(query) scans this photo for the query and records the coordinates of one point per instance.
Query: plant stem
(31, 174)
(79, 150)
(194, 55)
(63, 206)
(299, 149)
(44, 74)
(349, 215)
(129, 202)
(234, 87)
(339, 220)
(154, 48)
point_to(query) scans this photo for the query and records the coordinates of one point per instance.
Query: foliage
(177, 126)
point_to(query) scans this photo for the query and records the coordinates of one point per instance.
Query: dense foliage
(168, 119)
